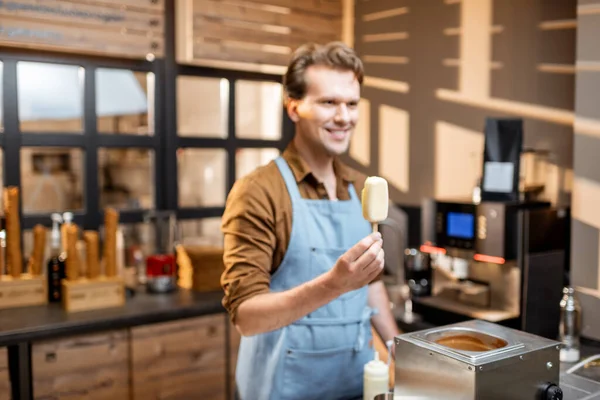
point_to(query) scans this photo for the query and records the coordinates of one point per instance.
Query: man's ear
(292, 109)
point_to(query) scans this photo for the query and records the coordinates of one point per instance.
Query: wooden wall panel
(258, 32)
(130, 29)
(4, 375)
(179, 360)
(91, 367)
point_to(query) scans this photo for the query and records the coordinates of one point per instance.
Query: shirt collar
(301, 169)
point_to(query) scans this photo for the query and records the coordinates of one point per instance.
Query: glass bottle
(570, 326)
(56, 271)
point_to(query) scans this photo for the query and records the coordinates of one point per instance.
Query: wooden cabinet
(93, 367)
(184, 359)
(4, 375)
(179, 360)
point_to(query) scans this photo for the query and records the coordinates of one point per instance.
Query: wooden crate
(4, 375)
(91, 367)
(200, 267)
(179, 360)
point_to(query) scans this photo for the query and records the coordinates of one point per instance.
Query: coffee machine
(502, 258)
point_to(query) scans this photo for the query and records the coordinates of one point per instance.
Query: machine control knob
(552, 392)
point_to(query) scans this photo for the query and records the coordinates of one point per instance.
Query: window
(50, 97)
(258, 110)
(126, 178)
(52, 179)
(247, 160)
(202, 177)
(202, 106)
(125, 101)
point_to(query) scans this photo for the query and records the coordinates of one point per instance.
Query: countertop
(584, 383)
(43, 322)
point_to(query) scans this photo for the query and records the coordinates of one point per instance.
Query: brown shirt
(257, 223)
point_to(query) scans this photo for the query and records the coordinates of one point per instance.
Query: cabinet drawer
(179, 360)
(94, 367)
(4, 375)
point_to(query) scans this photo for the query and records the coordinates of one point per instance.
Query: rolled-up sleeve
(249, 242)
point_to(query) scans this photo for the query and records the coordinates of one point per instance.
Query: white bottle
(376, 378)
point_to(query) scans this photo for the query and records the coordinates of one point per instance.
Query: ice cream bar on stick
(375, 200)
(14, 258)
(92, 256)
(73, 263)
(39, 244)
(111, 221)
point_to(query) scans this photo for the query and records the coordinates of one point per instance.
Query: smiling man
(302, 269)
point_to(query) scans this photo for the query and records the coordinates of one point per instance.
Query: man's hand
(358, 266)
(354, 269)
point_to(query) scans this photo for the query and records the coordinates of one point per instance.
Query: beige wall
(449, 65)
(585, 259)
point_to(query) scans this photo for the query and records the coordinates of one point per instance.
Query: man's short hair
(335, 55)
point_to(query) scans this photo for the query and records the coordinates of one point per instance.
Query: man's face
(325, 118)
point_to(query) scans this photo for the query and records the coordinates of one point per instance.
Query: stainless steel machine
(476, 360)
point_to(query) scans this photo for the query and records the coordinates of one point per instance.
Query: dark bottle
(56, 271)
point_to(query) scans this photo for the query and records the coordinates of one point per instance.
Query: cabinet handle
(51, 357)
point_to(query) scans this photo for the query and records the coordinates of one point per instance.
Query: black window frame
(164, 142)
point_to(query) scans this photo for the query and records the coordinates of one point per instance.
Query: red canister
(160, 265)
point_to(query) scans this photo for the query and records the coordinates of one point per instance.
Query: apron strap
(289, 178)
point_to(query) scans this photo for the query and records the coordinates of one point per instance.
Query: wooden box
(91, 367)
(179, 360)
(200, 267)
(24, 291)
(86, 294)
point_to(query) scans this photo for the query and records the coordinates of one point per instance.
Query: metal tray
(502, 342)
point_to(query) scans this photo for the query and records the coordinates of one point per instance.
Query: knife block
(86, 294)
(26, 290)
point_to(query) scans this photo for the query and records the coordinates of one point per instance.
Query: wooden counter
(174, 345)
(44, 322)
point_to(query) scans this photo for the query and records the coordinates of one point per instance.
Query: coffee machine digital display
(460, 225)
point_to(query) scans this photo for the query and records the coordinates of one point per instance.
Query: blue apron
(322, 355)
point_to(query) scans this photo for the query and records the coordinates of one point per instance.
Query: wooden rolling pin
(14, 258)
(34, 267)
(73, 263)
(92, 256)
(111, 221)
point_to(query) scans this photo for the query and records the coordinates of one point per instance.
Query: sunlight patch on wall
(394, 155)
(360, 146)
(458, 160)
